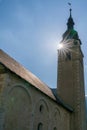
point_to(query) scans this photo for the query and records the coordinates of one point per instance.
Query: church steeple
(70, 33)
(70, 79)
(70, 23)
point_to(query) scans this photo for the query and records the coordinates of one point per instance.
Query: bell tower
(70, 79)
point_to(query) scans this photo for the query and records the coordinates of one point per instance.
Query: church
(26, 103)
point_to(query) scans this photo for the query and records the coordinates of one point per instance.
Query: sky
(30, 31)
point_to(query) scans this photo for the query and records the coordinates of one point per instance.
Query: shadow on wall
(86, 109)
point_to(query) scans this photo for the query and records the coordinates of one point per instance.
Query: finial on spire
(70, 12)
(70, 8)
(70, 22)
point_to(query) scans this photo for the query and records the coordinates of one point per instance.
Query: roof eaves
(61, 102)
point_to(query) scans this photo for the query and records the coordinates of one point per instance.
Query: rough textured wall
(26, 108)
(86, 112)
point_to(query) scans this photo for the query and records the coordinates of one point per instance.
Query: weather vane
(69, 4)
(70, 7)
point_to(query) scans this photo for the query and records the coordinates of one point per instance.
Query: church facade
(26, 103)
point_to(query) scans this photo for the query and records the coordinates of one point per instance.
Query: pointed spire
(70, 23)
(70, 33)
(70, 13)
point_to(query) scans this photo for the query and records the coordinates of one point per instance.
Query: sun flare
(60, 46)
(64, 47)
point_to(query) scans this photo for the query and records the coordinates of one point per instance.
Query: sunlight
(65, 46)
(60, 46)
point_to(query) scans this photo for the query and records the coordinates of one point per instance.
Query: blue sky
(30, 31)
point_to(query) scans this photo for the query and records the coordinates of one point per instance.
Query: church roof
(19, 70)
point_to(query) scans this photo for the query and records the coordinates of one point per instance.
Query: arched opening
(18, 109)
(41, 114)
(40, 126)
(55, 128)
(41, 108)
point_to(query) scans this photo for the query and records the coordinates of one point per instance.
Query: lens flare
(60, 46)
(65, 46)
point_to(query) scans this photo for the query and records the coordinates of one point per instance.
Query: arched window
(41, 108)
(40, 126)
(55, 128)
(68, 56)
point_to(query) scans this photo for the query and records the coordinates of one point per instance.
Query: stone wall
(27, 108)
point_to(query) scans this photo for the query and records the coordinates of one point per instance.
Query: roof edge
(19, 70)
(61, 102)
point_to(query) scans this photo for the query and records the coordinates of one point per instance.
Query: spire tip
(70, 11)
(70, 22)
